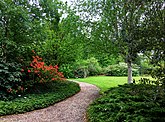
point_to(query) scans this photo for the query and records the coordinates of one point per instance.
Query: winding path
(72, 109)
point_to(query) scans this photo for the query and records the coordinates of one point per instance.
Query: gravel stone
(72, 109)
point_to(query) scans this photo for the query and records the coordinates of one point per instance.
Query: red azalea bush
(44, 73)
(38, 72)
(15, 80)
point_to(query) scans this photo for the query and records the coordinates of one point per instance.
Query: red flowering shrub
(15, 80)
(38, 72)
(44, 73)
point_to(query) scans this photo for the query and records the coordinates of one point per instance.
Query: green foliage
(81, 68)
(120, 70)
(125, 27)
(67, 70)
(33, 23)
(131, 103)
(145, 66)
(41, 96)
(89, 67)
(60, 47)
(105, 60)
(93, 67)
(10, 80)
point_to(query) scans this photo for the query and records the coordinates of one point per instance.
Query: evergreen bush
(130, 103)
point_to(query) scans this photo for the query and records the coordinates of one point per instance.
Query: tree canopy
(130, 27)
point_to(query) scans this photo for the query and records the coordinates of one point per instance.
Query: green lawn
(106, 82)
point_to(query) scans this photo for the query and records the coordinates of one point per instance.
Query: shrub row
(82, 68)
(91, 67)
(42, 95)
(130, 103)
(120, 70)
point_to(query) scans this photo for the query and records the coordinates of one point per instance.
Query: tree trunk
(129, 64)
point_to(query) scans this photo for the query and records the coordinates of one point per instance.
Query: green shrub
(10, 79)
(89, 67)
(130, 103)
(16, 78)
(81, 72)
(67, 70)
(42, 95)
(120, 69)
(93, 67)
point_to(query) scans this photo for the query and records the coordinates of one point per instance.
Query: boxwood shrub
(129, 103)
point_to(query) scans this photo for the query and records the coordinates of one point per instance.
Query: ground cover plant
(40, 96)
(32, 85)
(130, 103)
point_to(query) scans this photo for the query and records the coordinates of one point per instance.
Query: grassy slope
(106, 82)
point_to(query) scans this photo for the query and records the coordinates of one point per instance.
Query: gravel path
(72, 109)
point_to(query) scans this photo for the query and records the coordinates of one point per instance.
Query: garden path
(72, 109)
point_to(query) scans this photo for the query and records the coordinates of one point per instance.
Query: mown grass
(106, 82)
(41, 96)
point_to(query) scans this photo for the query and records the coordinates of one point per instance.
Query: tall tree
(117, 23)
(153, 38)
(23, 22)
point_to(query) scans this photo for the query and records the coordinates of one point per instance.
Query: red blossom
(33, 51)
(29, 71)
(53, 79)
(56, 66)
(36, 71)
(43, 71)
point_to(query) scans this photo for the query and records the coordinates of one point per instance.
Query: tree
(14, 26)
(23, 23)
(118, 24)
(153, 38)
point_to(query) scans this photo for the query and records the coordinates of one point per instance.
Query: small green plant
(93, 67)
